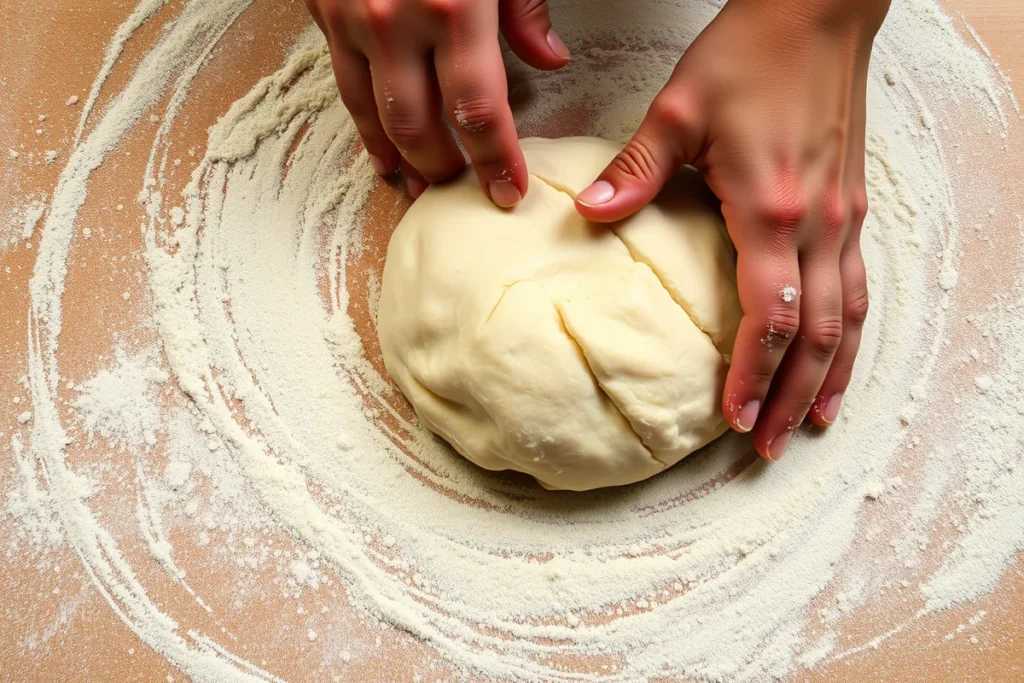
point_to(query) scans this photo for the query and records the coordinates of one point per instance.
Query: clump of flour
(121, 403)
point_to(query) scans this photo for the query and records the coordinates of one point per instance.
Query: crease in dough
(681, 304)
(504, 293)
(640, 258)
(557, 186)
(601, 387)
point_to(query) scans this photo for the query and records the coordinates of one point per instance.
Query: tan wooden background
(50, 49)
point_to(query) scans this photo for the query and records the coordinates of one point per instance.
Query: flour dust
(255, 432)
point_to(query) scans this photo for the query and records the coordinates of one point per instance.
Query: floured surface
(268, 493)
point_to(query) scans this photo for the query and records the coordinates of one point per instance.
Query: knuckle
(672, 112)
(357, 105)
(800, 406)
(379, 14)
(475, 113)
(761, 375)
(405, 131)
(859, 205)
(781, 325)
(825, 336)
(636, 160)
(842, 371)
(855, 308)
(529, 9)
(784, 208)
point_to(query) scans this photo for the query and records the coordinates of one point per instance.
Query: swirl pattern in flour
(263, 282)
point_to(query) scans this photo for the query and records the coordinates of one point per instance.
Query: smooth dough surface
(536, 341)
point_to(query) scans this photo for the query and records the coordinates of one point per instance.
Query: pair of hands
(768, 102)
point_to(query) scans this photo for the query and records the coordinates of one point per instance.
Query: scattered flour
(260, 427)
(30, 216)
(22, 221)
(120, 405)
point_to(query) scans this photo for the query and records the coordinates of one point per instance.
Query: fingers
(526, 26)
(821, 303)
(352, 73)
(387, 57)
(668, 138)
(415, 183)
(855, 310)
(809, 357)
(855, 287)
(476, 98)
(769, 288)
(406, 92)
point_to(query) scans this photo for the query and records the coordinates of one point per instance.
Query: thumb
(668, 137)
(526, 26)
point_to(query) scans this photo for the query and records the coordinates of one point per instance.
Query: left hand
(402, 65)
(769, 103)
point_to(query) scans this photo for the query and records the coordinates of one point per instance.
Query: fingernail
(599, 193)
(777, 446)
(378, 165)
(747, 416)
(504, 193)
(415, 186)
(556, 45)
(831, 410)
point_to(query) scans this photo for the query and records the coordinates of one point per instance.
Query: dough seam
(583, 356)
(600, 387)
(689, 314)
(638, 259)
(502, 298)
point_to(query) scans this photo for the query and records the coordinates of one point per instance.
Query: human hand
(400, 64)
(769, 103)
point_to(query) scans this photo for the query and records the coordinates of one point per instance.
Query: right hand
(401, 64)
(769, 102)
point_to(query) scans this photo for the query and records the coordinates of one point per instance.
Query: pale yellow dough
(535, 341)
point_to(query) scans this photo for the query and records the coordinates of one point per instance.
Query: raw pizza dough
(536, 341)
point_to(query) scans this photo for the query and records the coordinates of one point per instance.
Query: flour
(259, 428)
(119, 403)
(31, 214)
(22, 221)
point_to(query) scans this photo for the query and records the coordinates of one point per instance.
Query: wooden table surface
(50, 49)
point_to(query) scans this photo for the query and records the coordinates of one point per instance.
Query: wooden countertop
(50, 49)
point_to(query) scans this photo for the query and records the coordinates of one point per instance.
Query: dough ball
(584, 355)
